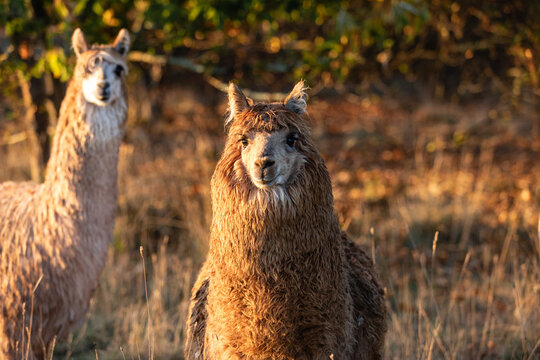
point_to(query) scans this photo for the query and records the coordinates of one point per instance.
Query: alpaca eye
(291, 139)
(118, 70)
(244, 141)
(91, 65)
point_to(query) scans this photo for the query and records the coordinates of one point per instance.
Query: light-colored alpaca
(281, 280)
(59, 231)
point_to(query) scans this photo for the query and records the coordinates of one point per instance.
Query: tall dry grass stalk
(27, 330)
(151, 338)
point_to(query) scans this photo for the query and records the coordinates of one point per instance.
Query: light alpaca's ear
(121, 44)
(296, 100)
(78, 42)
(238, 102)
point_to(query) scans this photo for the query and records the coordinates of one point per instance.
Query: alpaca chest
(287, 318)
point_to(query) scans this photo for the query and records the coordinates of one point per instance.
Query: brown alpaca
(281, 280)
(60, 230)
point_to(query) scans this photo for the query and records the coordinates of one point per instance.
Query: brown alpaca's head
(269, 148)
(101, 67)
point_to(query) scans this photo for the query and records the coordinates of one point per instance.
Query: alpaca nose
(264, 162)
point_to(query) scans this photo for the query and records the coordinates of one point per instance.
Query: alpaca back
(33, 252)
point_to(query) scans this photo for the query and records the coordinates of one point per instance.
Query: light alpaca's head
(101, 67)
(269, 148)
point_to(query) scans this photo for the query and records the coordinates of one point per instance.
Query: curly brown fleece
(281, 280)
(54, 236)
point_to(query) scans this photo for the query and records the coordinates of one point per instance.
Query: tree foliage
(460, 45)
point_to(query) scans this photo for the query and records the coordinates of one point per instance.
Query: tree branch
(138, 56)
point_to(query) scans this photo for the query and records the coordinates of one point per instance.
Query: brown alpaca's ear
(78, 42)
(121, 44)
(296, 100)
(238, 102)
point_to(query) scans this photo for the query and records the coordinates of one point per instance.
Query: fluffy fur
(60, 230)
(281, 280)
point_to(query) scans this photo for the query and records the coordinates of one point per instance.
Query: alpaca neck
(250, 238)
(82, 171)
(271, 266)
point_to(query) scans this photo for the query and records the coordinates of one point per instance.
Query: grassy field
(446, 197)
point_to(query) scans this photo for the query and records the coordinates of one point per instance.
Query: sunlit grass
(446, 201)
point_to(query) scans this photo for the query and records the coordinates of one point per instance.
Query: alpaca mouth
(267, 182)
(261, 183)
(267, 177)
(264, 181)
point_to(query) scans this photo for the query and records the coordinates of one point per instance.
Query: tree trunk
(36, 157)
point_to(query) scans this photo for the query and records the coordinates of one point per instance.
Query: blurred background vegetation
(427, 114)
(460, 45)
(458, 49)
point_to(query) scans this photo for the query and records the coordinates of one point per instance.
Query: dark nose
(264, 162)
(104, 85)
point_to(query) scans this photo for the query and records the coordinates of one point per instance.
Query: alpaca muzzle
(104, 91)
(265, 169)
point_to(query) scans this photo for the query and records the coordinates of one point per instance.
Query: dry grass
(446, 197)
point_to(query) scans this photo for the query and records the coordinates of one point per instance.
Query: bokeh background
(427, 114)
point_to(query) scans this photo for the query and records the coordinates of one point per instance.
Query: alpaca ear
(238, 102)
(78, 42)
(121, 44)
(296, 100)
